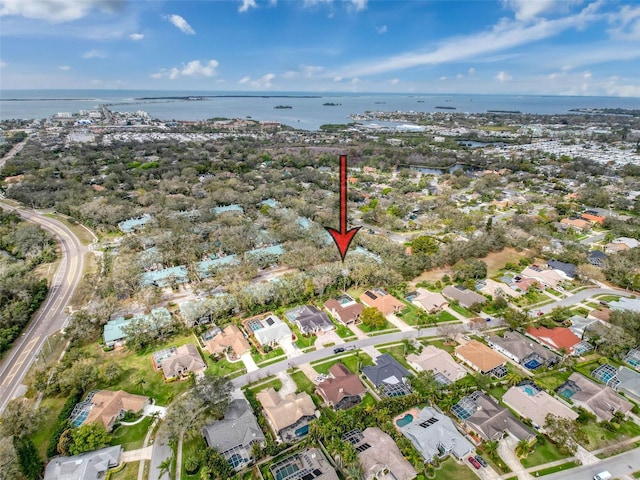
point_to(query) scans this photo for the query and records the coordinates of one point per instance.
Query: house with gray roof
(388, 376)
(86, 466)
(462, 295)
(435, 435)
(523, 350)
(166, 277)
(206, 268)
(629, 383)
(310, 320)
(234, 436)
(624, 303)
(269, 330)
(114, 330)
(566, 270)
(600, 400)
(481, 414)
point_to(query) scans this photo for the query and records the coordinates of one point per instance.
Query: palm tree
(165, 467)
(140, 383)
(523, 448)
(513, 378)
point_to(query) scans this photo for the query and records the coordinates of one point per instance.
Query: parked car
(603, 303)
(349, 348)
(481, 460)
(338, 350)
(475, 463)
(540, 313)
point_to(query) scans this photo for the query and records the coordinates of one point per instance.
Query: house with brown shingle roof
(549, 278)
(600, 400)
(535, 405)
(344, 309)
(557, 338)
(430, 302)
(444, 368)
(379, 456)
(480, 357)
(576, 224)
(462, 295)
(179, 362)
(593, 218)
(288, 417)
(229, 341)
(344, 390)
(383, 301)
(107, 406)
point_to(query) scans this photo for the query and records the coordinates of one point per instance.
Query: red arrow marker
(343, 237)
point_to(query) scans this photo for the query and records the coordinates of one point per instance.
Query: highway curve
(52, 314)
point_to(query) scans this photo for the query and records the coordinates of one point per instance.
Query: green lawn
(131, 437)
(600, 437)
(303, 341)
(607, 298)
(139, 366)
(223, 367)
(190, 449)
(276, 352)
(343, 331)
(557, 468)
(397, 352)
(276, 384)
(303, 383)
(498, 392)
(367, 329)
(52, 407)
(462, 311)
(551, 380)
(542, 454)
(350, 361)
(449, 470)
(129, 472)
(445, 316)
(440, 344)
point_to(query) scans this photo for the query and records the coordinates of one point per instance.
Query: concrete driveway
(289, 348)
(506, 450)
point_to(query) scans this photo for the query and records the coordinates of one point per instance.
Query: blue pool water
(529, 390)
(404, 421)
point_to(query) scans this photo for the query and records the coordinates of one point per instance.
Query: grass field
(557, 468)
(350, 361)
(397, 352)
(451, 470)
(462, 311)
(542, 454)
(52, 407)
(276, 384)
(131, 437)
(129, 472)
(190, 449)
(303, 382)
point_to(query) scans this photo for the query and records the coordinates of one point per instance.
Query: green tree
(372, 318)
(424, 245)
(89, 437)
(29, 461)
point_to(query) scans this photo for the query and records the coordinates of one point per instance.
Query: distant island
(331, 104)
(204, 97)
(608, 111)
(445, 108)
(282, 106)
(504, 111)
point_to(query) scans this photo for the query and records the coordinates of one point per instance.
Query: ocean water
(307, 112)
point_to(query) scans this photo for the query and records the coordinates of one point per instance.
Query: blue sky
(567, 47)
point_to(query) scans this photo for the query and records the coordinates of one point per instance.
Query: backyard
(543, 453)
(131, 437)
(450, 469)
(349, 361)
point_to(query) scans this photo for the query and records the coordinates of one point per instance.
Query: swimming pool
(404, 421)
(529, 390)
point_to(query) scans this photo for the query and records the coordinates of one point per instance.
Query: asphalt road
(578, 297)
(623, 464)
(52, 313)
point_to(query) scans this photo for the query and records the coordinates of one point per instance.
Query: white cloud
(587, 74)
(94, 53)
(136, 36)
(382, 29)
(471, 71)
(459, 76)
(505, 35)
(246, 5)
(529, 9)
(3, 64)
(181, 23)
(56, 11)
(194, 68)
(359, 5)
(64, 67)
(394, 81)
(443, 78)
(503, 76)
(264, 81)
(244, 80)
(310, 70)
(337, 79)
(355, 81)
(626, 23)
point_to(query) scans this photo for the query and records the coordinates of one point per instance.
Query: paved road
(16, 148)
(623, 464)
(328, 352)
(161, 452)
(593, 239)
(51, 315)
(579, 297)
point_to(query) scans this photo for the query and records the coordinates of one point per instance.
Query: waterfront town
(485, 322)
